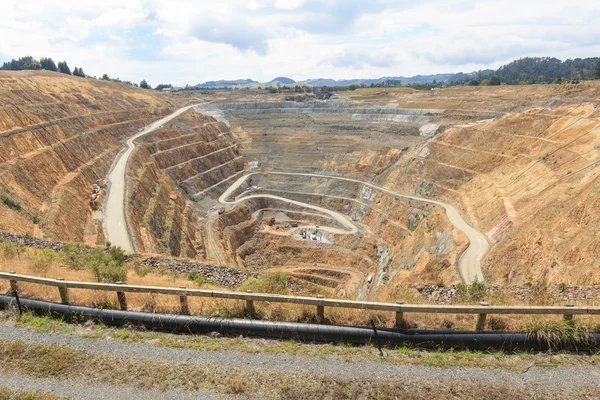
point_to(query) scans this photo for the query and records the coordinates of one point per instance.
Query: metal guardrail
(399, 307)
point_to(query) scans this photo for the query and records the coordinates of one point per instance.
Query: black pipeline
(301, 331)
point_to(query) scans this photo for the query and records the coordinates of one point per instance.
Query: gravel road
(537, 379)
(115, 218)
(469, 264)
(89, 391)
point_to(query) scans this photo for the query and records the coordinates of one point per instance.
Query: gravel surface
(81, 390)
(537, 379)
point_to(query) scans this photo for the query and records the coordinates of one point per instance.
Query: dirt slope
(59, 135)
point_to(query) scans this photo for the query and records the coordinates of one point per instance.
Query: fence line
(482, 310)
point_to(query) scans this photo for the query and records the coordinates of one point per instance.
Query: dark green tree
(596, 73)
(163, 86)
(48, 64)
(494, 81)
(105, 77)
(22, 63)
(64, 68)
(78, 72)
(144, 84)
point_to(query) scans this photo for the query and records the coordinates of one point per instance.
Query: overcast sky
(192, 41)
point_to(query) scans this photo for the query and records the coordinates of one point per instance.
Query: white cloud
(188, 41)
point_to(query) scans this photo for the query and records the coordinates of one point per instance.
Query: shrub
(477, 291)
(42, 260)
(197, 278)
(36, 220)
(563, 287)
(11, 250)
(11, 204)
(269, 282)
(474, 292)
(108, 267)
(75, 256)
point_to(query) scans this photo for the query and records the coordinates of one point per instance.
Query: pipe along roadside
(304, 331)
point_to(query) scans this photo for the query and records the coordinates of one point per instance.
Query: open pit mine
(357, 195)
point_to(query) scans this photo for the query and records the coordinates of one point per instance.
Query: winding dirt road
(115, 223)
(469, 264)
(342, 219)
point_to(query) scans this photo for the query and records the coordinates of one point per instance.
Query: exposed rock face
(529, 179)
(415, 217)
(170, 167)
(58, 137)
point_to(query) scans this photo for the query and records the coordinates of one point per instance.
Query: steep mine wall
(333, 137)
(168, 167)
(529, 180)
(58, 137)
(160, 220)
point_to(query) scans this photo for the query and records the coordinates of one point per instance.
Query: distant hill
(284, 80)
(226, 83)
(524, 70)
(404, 80)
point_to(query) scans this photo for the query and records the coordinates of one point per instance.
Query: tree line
(528, 70)
(48, 64)
(536, 70)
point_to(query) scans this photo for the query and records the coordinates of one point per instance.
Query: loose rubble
(568, 294)
(223, 276)
(28, 241)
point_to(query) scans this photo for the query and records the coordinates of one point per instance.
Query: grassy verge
(72, 264)
(54, 362)
(7, 393)
(515, 361)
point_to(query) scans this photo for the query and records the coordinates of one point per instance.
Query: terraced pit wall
(340, 139)
(169, 166)
(529, 179)
(59, 135)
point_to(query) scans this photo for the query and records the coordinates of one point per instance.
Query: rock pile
(524, 294)
(223, 276)
(31, 242)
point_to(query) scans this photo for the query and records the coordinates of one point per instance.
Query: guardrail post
(568, 317)
(14, 291)
(250, 305)
(482, 317)
(122, 298)
(13, 285)
(183, 300)
(400, 316)
(320, 310)
(63, 291)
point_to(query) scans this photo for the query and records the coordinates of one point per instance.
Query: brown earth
(58, 136)
(520, 162)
